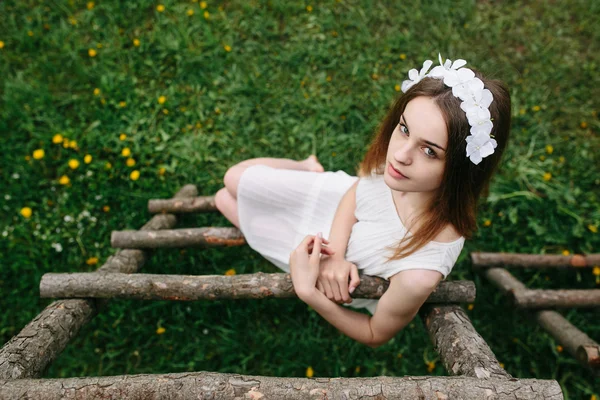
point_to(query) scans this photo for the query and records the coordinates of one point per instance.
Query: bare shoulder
(447, 235)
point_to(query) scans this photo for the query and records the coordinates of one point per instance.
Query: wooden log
(462, 350)
(29, 353)
(228, 386)
(215, 287)
(189, 237)
(178, 206)
(486, 260)
(576, 342)
(559, 298)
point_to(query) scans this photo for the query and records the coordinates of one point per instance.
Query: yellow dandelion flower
(162, 99)
(161, 171)
(328, 78)
(227, 48)
(501, 365)
(583, 125)
(542, 158)
(430, 366)
(30, 33)
(92, 52)
(64, 180)
(547, 176)
(26, 212)
(122, 104)
(593, 228)
(126, 152)
(160, 330)
(90, 5)
(206, 15)
(122, 136)
(165, 111)
(593, 397)
(596, 270)
(309, 372)
(566, 252)
(230, 272)
(559, 348)
(470, 306)
(73, 163)
(399, 355)
(522, 111)
(87, 159)
(160, 8)
(130, 162)
(397, 88)
(92, 261)
(198, 125)
(536, 108)
(357, 369)
(108, 165)
(561, 159)
(72, 21)
(66, 143)
(38, 154)
(403, 56)
(103, 100)
(73, 144)
(334, 33)
(136, 42)
(374, 77)
(309, 8)
(217, 110)
(190, 12)
(487, 222)
(1, 44)
(203, 5)
(135, 175)
(333, 154)
(106, 209)
(549, 149)
(96, 92)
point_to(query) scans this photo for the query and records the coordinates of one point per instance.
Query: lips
(395, 169)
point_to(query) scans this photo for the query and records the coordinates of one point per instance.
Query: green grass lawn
(181, 94)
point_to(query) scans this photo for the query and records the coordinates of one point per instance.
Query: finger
(343, 288)
(317, 249)
(354, 279)
(328, 290)
(320, 287)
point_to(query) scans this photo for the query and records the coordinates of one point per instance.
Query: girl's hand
(333, 279)
(304, 263)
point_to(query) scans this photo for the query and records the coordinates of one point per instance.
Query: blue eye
(404, 130)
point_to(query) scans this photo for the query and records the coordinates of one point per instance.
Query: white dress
(277, 208)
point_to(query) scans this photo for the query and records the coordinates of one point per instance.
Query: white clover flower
(57, 247)
(415, 76)
(68, 218)
(479, 146)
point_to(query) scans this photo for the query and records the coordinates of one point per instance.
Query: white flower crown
(476, 102)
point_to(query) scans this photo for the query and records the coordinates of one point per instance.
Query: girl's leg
(227, 205)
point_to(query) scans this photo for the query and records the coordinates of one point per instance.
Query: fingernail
(351, 290)
(319, 235)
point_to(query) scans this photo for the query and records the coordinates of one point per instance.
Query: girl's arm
(343, 221)
(405, 295)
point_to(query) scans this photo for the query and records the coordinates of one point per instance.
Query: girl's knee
(232, 178)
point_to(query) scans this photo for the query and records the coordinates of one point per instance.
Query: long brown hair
(463, 182)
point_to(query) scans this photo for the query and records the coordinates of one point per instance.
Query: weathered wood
(487, 260)
(215, 287)
(178, 206)
(29, 353)
(226, 386)
(576, 342)
(462, 350)
(188, 237)
(559, 298)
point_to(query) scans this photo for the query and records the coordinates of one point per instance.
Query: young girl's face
(417, 148)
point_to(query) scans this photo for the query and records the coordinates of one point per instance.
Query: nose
(403, 154)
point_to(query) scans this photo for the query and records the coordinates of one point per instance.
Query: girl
(416, 195)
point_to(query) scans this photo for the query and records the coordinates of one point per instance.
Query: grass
(278, 79)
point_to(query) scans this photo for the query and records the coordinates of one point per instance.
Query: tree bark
(215, 287)
(222, 386)
(486, 260)
(189, 237)
(29, 353)
(561, 298)
(462, 350)
(177, 206)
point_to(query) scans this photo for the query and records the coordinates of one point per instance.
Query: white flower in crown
(477, 110)
(415, 76)
(479, 145)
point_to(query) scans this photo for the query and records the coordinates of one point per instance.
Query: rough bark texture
(31, 351)
(462, 350)
(577, 343)
(217, 386)
(189, 237)
(177, 206)
(215, 287)
(485, 260)
(561, 298)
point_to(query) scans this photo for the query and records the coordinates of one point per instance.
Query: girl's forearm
(352, 324)
(342, 224)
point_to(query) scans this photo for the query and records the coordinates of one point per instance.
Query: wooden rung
(189, 237)
(487, 260)
(577, 343)
(227, 386)
(215, 287)
(462, 350)
(178, 206)
(29, 353)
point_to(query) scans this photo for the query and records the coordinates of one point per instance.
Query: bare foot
(313, 164)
